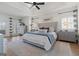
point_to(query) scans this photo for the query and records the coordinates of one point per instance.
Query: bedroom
(44, 29)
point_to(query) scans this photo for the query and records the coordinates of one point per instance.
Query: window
(2, 25)
(68, 23)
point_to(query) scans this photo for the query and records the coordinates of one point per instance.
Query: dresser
(66, 36)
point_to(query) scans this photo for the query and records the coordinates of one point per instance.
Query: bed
(40, 39)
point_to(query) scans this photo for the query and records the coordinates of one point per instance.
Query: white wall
(58, 18)
(3, 19)
(27, 22)
(37, 23)
(78, 19)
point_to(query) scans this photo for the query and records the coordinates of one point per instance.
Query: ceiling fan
(35, 4)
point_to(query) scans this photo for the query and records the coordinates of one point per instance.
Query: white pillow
(43, 30)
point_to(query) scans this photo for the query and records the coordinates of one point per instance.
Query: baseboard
(67, 41)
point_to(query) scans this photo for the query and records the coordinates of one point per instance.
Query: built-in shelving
(10, 27)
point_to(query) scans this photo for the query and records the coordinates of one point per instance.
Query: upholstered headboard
(46, 28)
(50, 26)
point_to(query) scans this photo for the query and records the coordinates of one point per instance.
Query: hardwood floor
(75, 49)
(18, 48)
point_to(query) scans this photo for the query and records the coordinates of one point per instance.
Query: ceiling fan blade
(37, 7)
(28, 2)
(41, 3)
